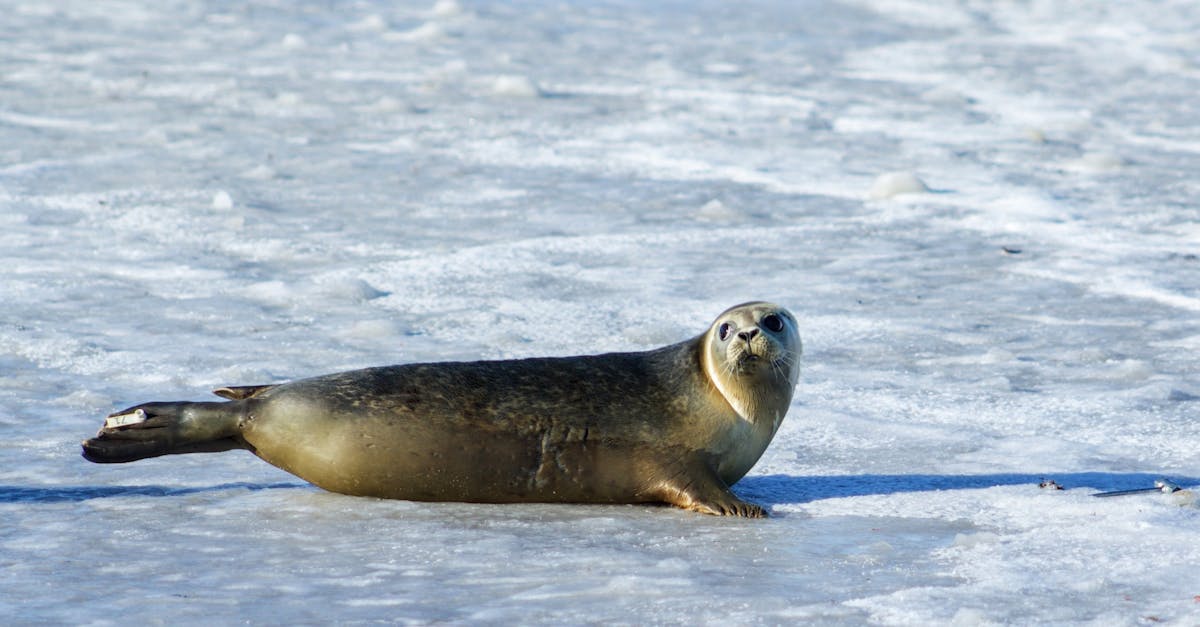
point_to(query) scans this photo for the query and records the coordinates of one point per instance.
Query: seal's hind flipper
(242, 392)
(155, 429)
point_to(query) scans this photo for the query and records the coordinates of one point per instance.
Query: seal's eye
(773, 323)
(725, 330)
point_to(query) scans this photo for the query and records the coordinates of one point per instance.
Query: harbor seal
(677, 424)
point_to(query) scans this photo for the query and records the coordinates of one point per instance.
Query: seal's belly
(434, 457)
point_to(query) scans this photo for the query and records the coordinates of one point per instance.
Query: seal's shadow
(764, 489)
(76, 494)
(785, 489)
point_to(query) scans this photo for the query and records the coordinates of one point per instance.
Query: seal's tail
(155, 429)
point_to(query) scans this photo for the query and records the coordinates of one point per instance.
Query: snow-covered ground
(196, 194)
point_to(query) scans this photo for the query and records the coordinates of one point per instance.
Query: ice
(516, 86)
(222, 201)
(194, 196)
(292, 41)
(896, 184)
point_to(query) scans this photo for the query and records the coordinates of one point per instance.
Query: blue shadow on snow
(75, 494)
(781, 489)
(767, 490)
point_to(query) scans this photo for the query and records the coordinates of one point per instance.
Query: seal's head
(752, 354)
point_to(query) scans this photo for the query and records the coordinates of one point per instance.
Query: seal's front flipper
(156, 429)
(699, 489)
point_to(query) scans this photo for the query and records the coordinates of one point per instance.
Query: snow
(195, 195)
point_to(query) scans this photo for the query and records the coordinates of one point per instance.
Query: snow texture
(198, 194)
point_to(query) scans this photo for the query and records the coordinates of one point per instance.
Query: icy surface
(203, 194)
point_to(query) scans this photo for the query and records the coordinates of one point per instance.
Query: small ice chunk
(292, 41)
(717, 211)
(124, 420)
(516, 86)
(222, 201)
(1129, 370)
(896, 183)
(446, 8)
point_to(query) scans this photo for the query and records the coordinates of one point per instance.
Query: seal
(677, 424)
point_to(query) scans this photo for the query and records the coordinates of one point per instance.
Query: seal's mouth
(748, 362)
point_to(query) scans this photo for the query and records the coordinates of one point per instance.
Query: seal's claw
(750, 510)
(704, 492)
(745, 510)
